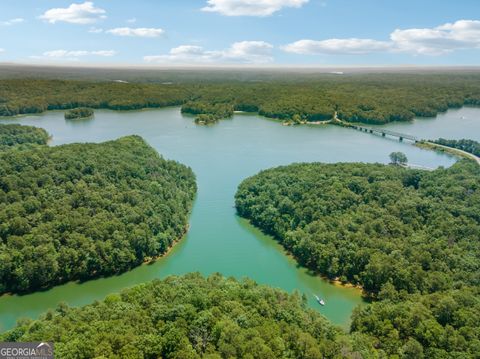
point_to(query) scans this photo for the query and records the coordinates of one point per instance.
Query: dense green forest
(77, 113)
(217, 317)
(369, 98)
(469, 146)
(410, 238)
(35, 96)
(439, 325)
(83, 210)
(193, 317)
(13, 135)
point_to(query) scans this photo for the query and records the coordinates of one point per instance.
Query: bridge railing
(384, 132)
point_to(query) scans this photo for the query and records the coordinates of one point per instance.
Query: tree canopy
(13, 135)
(192, 317)
(368, 98)
(83, 210)
(78, 113)
(398, 158)
(443, 324)
(466, 145)
(410, 238)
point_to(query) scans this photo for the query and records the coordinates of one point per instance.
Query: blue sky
(241, 32)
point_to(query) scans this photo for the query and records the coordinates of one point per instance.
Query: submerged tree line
(409, 238)
(373, 98)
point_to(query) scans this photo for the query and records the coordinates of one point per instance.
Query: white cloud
(65, 53)
(351, 46)
(95, 30)
(73, 55)
(250, 7)
(77, 53)
(11, 22)
(462, 34)
(137, 32)
(103, 53)
(133, 20)
(2, 50)
(242, 52)
(250, 51)
(85, 13)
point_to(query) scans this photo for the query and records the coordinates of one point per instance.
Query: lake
(221, 157)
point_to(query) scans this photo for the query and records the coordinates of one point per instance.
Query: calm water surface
(221, 156)
(453, 124)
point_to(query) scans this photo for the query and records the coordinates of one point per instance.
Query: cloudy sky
(241, 32)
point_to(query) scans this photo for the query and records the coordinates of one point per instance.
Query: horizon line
(235, 66)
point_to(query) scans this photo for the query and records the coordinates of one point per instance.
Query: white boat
(320, 301)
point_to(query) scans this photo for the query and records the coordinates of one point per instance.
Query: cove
(221, 157)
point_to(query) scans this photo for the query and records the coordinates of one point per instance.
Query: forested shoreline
(466, 145)
(14, 135)
(367, 98)
(410, 238)
(79, 211)
(193, 317)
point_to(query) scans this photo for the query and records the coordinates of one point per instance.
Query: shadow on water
(269, 242)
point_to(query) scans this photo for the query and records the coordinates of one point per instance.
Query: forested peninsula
(368, 98)
(193, 317)
(15, 135)
(78, 211)
(410, 238)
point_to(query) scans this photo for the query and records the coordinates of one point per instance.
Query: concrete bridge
(404, 136)
(384, 133)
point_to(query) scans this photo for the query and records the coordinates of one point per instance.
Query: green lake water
(221, 156)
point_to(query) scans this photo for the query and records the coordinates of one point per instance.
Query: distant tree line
(24, 96)
(370, 98)
(79, 211)
(410, 238)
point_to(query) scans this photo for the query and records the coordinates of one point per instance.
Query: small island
(79, 113)
(206, 119)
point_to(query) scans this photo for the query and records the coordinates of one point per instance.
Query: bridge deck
(384, 132)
